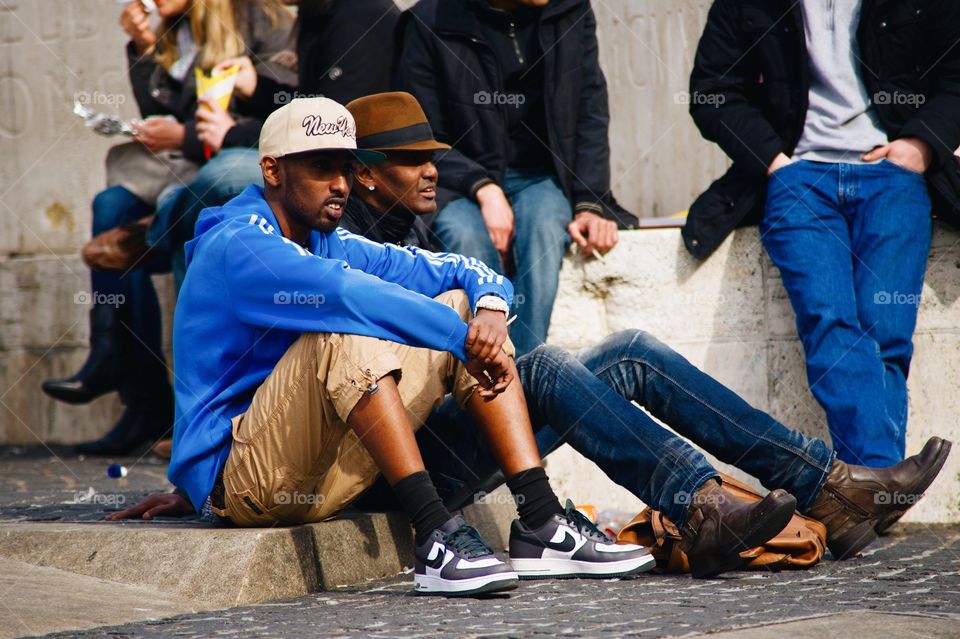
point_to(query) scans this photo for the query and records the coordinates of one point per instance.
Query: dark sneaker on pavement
(455, 561)
(570, 545)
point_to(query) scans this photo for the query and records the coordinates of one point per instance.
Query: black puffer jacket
(446, 64)
(157, 93)
(749, 92)
(345, 51)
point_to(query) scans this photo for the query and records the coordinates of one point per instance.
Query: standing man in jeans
(836, 109)
(516, 87)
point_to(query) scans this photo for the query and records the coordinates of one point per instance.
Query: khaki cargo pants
(294, 459)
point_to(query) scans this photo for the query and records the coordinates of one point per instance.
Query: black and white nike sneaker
(570, 545)
(455, 561)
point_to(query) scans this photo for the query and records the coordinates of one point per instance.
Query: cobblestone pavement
(55, 484)
(914, 571)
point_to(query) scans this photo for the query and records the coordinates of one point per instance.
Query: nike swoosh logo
(436, 556)
(568, 543)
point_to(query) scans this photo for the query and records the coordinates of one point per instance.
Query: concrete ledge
(222, 567)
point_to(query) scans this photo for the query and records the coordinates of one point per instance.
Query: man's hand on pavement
(156, 505)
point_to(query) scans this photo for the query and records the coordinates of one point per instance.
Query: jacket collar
(456, 16)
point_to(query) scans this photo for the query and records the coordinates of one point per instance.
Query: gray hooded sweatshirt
(841, 122)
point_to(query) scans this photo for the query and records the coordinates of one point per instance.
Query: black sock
(423, 505)
(536, 501)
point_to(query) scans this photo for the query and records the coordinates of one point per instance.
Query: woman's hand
(136, 23)
(160, 134)
(212, 124)
(246, 82)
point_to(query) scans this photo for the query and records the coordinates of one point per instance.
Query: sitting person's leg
(112, 207)
(216, 183)
(642, 369)
(459, 228)
(328, 419)
(647, 459)
(541, 213)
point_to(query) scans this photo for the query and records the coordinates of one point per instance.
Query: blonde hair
(214, 25)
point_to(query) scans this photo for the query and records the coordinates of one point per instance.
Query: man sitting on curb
(306, 357)
(654, 464)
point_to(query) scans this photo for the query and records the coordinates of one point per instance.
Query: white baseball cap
(312, 124)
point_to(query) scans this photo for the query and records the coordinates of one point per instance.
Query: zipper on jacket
(512, 32)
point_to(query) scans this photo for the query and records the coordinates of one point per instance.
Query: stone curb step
(223, 567)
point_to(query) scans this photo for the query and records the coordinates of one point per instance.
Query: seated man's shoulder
(427, 11)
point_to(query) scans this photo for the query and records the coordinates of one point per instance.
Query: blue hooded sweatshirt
(249, 293)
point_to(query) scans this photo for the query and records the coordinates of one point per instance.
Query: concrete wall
(50, 167)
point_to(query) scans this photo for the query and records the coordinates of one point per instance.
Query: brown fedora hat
(392, 121)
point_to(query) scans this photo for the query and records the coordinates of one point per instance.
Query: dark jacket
(157, 93)
(397, 227)
(447, 65)
(345, 51)
(749, 88)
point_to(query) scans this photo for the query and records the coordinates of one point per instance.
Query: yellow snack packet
(217, 87)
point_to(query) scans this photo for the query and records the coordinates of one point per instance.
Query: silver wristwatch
(492, 303)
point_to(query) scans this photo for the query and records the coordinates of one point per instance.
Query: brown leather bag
(800, 545)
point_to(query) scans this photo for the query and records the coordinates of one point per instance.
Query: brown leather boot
(720, 526)
(857, 502)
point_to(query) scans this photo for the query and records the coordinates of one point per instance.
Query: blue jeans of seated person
(137, 300)
(851, 242)
(585, 401)
(216, 183)
(541, 215)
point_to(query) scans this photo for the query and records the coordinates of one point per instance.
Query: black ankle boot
(137, 429)
(99, 374)
(148, 416)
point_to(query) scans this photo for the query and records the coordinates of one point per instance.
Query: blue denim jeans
(851, 242)
(541, 215)
(585, 401)
(217, 182)
(113, 207)
(139, 337)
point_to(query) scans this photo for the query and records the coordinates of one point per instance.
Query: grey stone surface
(902, 626)
(914, 572)
(38, 600)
